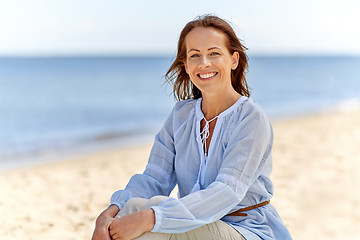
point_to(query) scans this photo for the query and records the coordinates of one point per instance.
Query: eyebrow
(196, 50)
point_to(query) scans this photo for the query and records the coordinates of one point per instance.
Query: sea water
(53, 105)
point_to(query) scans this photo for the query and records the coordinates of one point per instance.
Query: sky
(144, 27)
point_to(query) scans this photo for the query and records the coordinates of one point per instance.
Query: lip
(207, 75)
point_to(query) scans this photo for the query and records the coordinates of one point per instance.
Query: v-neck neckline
(200, 114)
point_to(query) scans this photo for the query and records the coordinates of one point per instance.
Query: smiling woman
(226, 40)
(216, 146)
(209, 63)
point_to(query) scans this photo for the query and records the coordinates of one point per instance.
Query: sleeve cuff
(116, 204)
(158, 219)
(119, 198)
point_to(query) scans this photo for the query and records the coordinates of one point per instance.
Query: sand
(316, 173)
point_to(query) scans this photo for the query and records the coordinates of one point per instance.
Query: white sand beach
(316, 173)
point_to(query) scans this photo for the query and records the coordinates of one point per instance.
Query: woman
(215, 145)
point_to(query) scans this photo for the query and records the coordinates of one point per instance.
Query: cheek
(226, 65)
(189, 68)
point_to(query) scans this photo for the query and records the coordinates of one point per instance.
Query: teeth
(207, 75)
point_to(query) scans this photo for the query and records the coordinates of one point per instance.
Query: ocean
(55, 106)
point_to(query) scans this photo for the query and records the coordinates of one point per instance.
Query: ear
(235, 60)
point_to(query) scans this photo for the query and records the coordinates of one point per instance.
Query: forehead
(205, 37)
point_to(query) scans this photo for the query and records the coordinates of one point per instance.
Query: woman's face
(208, 61)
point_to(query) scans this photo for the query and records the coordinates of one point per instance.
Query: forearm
(132, 225)
(112, 210)
(149, 219)
(103, 222)
(194, 210)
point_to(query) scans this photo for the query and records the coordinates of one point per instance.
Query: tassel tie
(204, 134)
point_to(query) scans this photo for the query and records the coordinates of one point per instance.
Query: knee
(131, 206)
(154, 201)
(158, 199)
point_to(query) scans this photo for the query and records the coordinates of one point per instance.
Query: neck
(214, 104)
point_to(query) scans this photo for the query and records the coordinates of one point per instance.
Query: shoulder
(182, 112)
(249, 120)
(248, 109)
(184, 106)
(244, 107)
(250, 114)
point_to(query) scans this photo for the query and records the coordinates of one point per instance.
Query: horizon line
(163, 55)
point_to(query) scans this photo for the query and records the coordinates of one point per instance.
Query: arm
(103, 222)
(243, 161)
(159, 177)
(133, 225)
(194, 210)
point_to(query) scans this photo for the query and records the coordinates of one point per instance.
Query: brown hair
(183, 88)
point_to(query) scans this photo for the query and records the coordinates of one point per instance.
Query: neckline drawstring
(205, 133)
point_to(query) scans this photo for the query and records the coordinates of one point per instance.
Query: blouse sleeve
(248, 152)
(158, 177)
(243, 160)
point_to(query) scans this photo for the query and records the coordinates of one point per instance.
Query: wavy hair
(183, 88)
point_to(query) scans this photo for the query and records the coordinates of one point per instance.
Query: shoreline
(53, 155)
(119, 139)
(316, 172)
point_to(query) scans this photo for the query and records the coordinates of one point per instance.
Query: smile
(206, 75)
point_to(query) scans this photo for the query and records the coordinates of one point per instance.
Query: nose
(204, 62)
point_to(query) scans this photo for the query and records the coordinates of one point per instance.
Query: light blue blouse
(234, 175)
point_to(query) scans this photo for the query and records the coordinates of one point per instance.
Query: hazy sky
(62, 27)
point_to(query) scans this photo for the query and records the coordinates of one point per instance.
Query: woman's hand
(133, 225)
(103, 222)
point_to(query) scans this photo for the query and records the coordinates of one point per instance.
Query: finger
(107, 236)
(112, 227)
(112, 233)
(114, 236)
(114, 220)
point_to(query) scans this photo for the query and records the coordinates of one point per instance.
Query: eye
(214, 54)
(194, 55)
